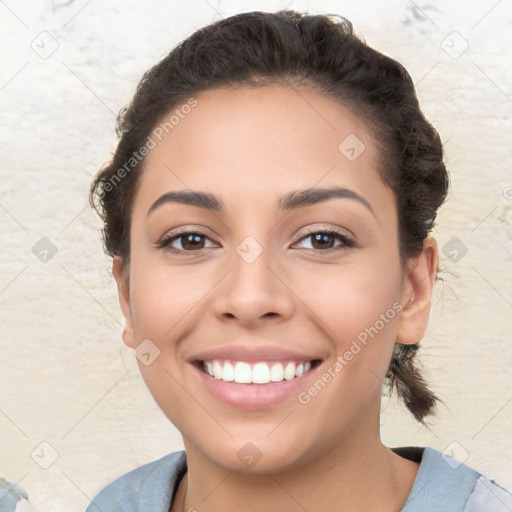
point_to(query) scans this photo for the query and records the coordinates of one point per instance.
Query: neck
(358, 475)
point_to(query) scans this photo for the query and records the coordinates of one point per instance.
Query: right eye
(190, 241)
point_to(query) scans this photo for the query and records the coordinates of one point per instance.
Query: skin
(249, 147)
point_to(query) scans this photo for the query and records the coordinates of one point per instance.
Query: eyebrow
(291, 201)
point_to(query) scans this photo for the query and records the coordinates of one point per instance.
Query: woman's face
(263, 282)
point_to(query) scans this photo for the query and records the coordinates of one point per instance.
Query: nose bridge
(252, 289)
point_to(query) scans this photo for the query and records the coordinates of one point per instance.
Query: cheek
(163, 297)
(164, 304)
(359, 307)
(361, 312)
(351, 298)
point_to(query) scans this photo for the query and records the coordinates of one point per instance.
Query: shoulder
(148, 487)
(444, 483)
(489, 496)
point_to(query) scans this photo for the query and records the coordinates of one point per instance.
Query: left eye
(322, 240)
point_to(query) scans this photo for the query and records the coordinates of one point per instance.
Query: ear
(417, 294)
(123, 290)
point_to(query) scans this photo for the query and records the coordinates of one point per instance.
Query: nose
(256, 290)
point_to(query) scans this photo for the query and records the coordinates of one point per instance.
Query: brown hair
(291, 48)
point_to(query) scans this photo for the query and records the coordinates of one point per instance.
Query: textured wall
(68, 381)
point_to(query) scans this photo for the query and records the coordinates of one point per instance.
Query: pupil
(322, 238)
(193, 240)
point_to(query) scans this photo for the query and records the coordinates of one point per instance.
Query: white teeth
(276, 372)
(228, 372)
(259, 373)
(217, 370)
(242, 373)
(289, 371)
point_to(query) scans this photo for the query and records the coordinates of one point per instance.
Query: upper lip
(252, 353)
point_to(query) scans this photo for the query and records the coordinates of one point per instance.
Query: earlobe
(417, 294)
(123, 290)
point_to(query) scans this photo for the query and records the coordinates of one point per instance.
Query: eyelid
(185, 230)
(326, 229)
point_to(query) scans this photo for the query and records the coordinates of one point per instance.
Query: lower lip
(253, 396)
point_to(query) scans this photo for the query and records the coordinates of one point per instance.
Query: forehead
(257, 144)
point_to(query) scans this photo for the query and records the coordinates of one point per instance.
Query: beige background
(68, 381)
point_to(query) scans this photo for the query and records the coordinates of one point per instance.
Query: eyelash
(347, 243)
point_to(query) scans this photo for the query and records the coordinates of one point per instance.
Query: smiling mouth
(263, 372)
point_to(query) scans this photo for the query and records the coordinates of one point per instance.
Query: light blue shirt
(441, 485)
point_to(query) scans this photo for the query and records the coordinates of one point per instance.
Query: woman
(268, 211)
